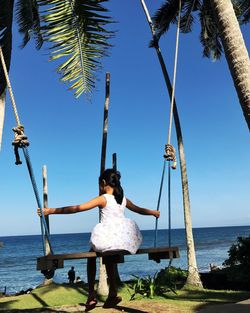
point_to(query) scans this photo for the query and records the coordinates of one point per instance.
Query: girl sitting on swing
(114, 232)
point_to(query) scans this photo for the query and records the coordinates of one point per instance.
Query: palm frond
(28, 19)
(164, 16)
(242, 7)
(168, 14)
(6, 18)
(209, 35)
(77, 31)
(187, 19)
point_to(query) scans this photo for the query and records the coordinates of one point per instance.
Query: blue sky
(65, 133)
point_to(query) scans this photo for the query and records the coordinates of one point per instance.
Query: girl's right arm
(96, 202)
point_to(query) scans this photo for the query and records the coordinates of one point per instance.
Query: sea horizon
(159, 229)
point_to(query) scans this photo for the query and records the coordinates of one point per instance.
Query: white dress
(115, 231)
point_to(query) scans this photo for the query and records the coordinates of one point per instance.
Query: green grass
(58, 295)
(47, 296)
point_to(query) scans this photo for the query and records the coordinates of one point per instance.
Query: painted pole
(45, 205)
(114, 161)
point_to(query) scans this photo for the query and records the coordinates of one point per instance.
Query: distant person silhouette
(71, 275)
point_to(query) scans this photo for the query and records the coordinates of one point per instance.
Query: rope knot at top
(20, 141)
(170, 155)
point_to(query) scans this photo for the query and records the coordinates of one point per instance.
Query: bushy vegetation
(239, 253)
(172, 276)
(237, 266)
(167, 280)
(235, 275)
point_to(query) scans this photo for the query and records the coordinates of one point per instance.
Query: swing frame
(55, 261)
(50, 262)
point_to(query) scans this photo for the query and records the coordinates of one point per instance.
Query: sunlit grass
(59, 295)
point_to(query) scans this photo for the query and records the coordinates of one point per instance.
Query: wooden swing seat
(54, 261)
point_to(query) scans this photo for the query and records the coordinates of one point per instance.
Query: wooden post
(114, 161)
(105, 123)
(2, 111)
(118, 279)
(45, 205)
(103, 286)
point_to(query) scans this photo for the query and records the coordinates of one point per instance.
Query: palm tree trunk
(193, 273)
(2, 111)
(102, 288)
(235, 52)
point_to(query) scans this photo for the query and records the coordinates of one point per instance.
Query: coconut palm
(220, 31)
(193, 273)
(6, 17)
(75, 31)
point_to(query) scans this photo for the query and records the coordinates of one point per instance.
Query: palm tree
(6, 17)
(220, 31)
(75, 31)
(193, 273)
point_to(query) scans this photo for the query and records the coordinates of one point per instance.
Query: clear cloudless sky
(65, 133)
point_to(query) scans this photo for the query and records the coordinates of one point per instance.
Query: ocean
(18, 256)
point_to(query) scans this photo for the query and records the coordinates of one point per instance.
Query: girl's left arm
(98, 201)
(131, 206)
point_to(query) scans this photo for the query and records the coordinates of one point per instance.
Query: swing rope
(159, 202)
(169, 149)
(21, 141)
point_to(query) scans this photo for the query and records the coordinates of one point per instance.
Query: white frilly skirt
(118, 234)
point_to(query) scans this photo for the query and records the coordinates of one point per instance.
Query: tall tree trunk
(2, 111)
(193, 273)
(102, 288)
(235, 52)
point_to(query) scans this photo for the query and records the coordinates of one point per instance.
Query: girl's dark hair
(112, 178)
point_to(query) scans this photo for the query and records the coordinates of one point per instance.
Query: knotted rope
(21, 141)
(169, 155)
(169, 149)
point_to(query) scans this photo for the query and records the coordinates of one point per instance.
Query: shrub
(239, 253)
(166, 280)
(172, 276)
(237, 266)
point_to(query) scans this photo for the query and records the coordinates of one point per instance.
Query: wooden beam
(154, 254)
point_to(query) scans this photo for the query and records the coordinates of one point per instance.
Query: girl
(114, 232)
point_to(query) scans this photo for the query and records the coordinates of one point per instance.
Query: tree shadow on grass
(39, 299)
(207, 295)
(81, 288)
(40, 310)
(129, 310)
(223, 308)
(6, 304)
